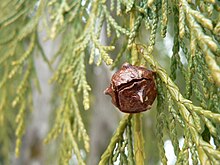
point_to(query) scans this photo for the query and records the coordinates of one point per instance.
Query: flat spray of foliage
(196, 29)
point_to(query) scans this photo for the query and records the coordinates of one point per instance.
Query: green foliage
(195, 27)
(18, 41)
(194, 118)
(118, 144)
(69, 124)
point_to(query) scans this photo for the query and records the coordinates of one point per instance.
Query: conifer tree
(188, 101)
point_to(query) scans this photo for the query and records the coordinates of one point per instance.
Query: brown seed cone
(132, 89)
